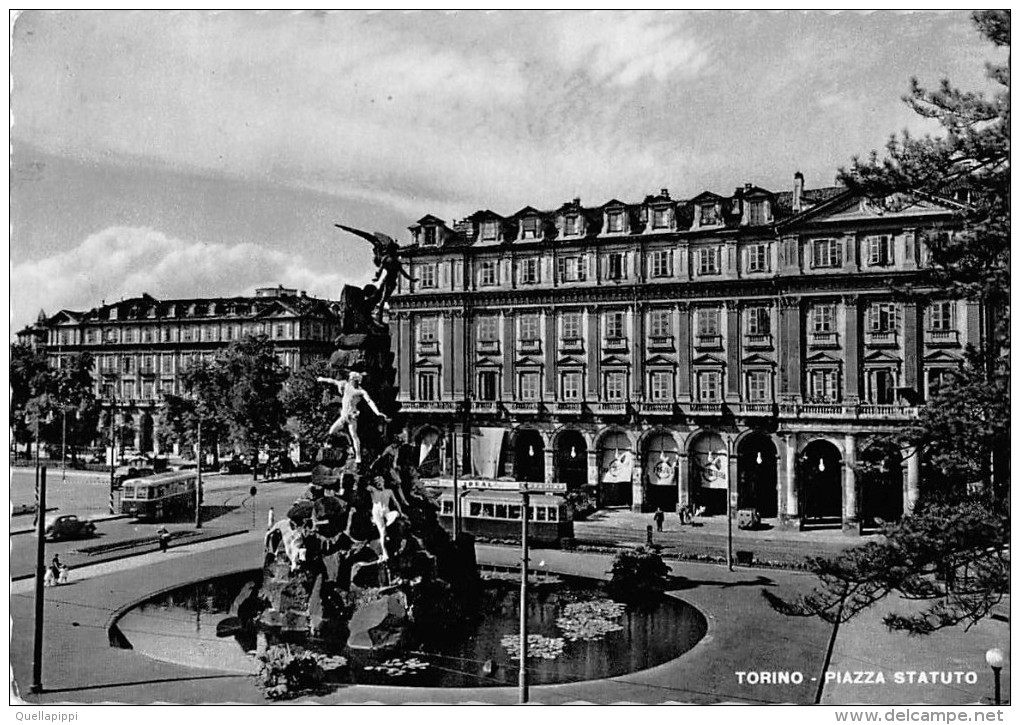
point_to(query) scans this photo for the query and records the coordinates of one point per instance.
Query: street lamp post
(198, 485)
(522, 677)
(995, 659)
(113, 451)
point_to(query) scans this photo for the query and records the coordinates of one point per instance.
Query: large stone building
(662, 353)
(142, 345)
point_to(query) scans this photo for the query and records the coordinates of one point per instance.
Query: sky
(192, 153)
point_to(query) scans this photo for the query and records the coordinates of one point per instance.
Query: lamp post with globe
(995, 659)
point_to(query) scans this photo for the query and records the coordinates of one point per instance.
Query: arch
(708, 471)
(820, 481)
(615, 453)
(601, 436)
(660, 458)
(529, 455)
(554, 437)
(428, 441)
(757, 473)
(658, 430)
(571, 459)
(880, 482)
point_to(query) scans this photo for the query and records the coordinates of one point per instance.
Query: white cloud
(123, 262)
(623, 48)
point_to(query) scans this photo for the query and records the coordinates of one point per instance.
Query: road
(227, 509)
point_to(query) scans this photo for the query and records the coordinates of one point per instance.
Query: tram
(492, 509)
(160, 497)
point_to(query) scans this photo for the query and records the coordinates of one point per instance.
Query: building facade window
(824, 385)
(660, 384)
(428, 385)
(615, 386)
(940, 315)
(708, 260)
(757, 258)
(882, 386)
(660, 263)
(660, 218)
(530, 227)
(879, 251)
(758, 386)
(428, 329)
(572, 225)
(572, 269)
(707, 215)
(614, 222)
(823, 318)
(488, 385)
(660, 324)
(488, 328)
(427, 276)
(882, 317)
(529, 386)
(826, 253)
(938, 378)
(529, 327)
(708, 322)
(571, 326)
(429, 238)
(759, 321)
(489, 230)
(90, 336)
(488, 273)
(616, 265)
(127, 365)
(570, 386)
(530, 271)
(614, 325)
(757, 213)
(709, 383)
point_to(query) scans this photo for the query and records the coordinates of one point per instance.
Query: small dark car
(68, 526)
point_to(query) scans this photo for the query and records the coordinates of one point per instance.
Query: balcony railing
(614, 343)
(758, 341)
(572, 344)
(705, 408)
(429, 406)
(657, 408)
(489, 346)
(568, 407)
(428, 347)
(528, 407)
(484, 407)
(880, 339)
(942, 338)
(708, 342)
(840, 410)
(664, 342)
(757, 409)
(530, 345)
(610, 408)
(824, 339)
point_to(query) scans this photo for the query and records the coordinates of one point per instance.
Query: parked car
(235, 465)
(68, 526)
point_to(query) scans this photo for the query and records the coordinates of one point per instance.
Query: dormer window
(614, 222)
(708, 215)
(572, 225)
(428, 238)
(660, 218)
(757, 213)
(489, 230)
(530, 228)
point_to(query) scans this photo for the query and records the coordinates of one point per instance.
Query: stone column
(550, 473)
(910, 493)
(637, 352)
(593, 468)
(551, 342)
(791, 517)
(790, 349)
(404, 355)
(636, 487)
(592, 343)
(732, 352)
(509, 336)
(913, 349)
(852, 345)
(683, 353)
(449, 358)
(850, 507)
(683, 479)
(462, 352)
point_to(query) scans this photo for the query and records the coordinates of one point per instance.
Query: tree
(311, 407)
(30, 377)
(206, 392)
(250, 377)
(951, 551)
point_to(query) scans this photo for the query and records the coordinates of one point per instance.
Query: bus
(492, 509)
(160, 497)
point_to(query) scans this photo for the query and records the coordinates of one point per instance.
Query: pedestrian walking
(271, 519)
(658, 517)
(164, 538)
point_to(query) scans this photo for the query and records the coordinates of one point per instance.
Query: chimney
(798, 192)
(577, 201)
(747, 187)
(664, 192)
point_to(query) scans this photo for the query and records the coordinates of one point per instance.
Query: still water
(180, 626)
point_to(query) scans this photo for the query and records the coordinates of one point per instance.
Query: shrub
(284, 674)
(638, 578)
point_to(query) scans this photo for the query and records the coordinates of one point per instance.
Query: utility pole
(198, 485)
(730, 495)
(522, 677)
(63, 442)
(456, 494)
(40, 571)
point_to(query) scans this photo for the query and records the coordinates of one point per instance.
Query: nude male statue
(352, 394)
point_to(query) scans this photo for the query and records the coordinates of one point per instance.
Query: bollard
(648, 534)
